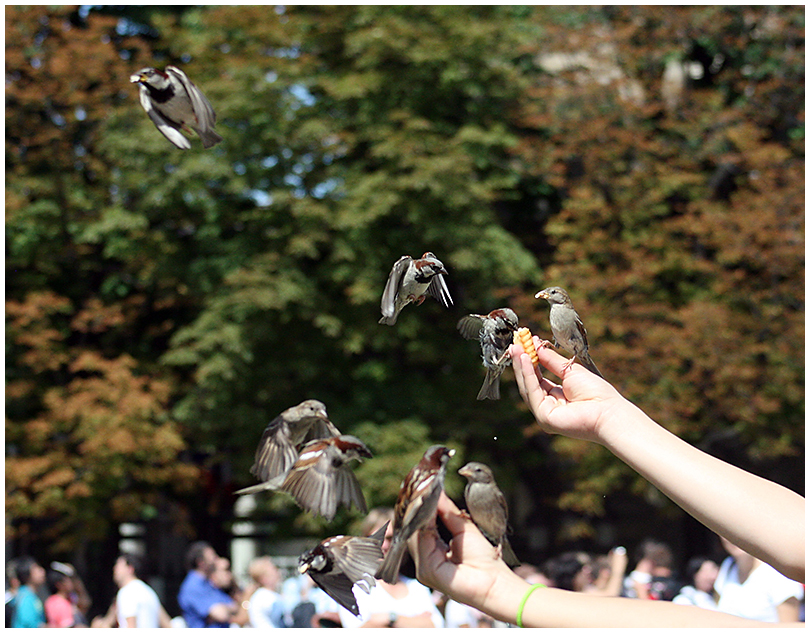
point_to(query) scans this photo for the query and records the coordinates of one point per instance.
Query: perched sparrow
(409, 281)
(321, 480)
(340, 562)
(173, 102)
(487, 507)
(494, 331)
(416, 506)
(567, 328)
(278, 448)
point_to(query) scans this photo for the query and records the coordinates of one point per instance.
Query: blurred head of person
(128, 566)
(375, 520)
(29, 572)
(60, 583)
(571, 571)
(221, 575)
(654, 557)
(201, 556)
(265, 573)
(701, 572)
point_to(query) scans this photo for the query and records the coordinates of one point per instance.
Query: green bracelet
(519, 619)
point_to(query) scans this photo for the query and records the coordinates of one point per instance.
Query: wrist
(614, 420)
(392, 619)
(503, 599)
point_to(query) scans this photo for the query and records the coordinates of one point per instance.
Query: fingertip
(449, 513)
(446, 504)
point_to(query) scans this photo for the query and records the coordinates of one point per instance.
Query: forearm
(557, 608)
(736, 504)
(421, 621)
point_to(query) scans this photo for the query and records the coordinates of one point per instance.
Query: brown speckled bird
(416, 506)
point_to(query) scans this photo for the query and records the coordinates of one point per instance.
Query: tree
(89, 439)
(680, 234)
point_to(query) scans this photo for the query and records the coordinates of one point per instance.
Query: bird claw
(503, 357)
(568, 364)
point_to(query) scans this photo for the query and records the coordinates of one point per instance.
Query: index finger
(450, 515)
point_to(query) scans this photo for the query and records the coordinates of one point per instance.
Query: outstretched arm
(764, 518)
(469, 571)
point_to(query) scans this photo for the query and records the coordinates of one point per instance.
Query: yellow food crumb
(523, 336)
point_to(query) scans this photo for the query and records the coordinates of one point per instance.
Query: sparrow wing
(339, 588)
(388, 303)
(320, 429)
(311, 482)
(470, 326)
(347, 489)
(359, 558)
(202, 107)
(438, 290)
(581, 330)
(165, 126)
(275, 454)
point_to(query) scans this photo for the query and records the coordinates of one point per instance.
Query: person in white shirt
(753, 589)
(701, 572)
(265, 607)
(136, 604)
(405, 604)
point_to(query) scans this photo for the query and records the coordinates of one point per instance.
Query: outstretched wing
(438, 290)
(388, 303)
(359, 559)
(202, 107)
(276, 453)
(170, 129)
(339, 588)
(470, 326)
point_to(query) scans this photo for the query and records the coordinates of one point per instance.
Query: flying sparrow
(494, 331)
(174, 103)
(567, 328)
(411, 280)
(340, 562)
(278, 448)
(321, 480)
(487, 507)
(416, 506)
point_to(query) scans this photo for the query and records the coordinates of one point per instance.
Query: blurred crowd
(211, 597)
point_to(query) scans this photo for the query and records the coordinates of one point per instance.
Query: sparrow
(416, 506)
(494, 331)
(174, 103)
(340, 562)
(321, 480)
(487, 508)
(410, 280)
(567, 328)
(278, 447)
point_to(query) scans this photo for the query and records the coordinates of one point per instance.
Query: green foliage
(525, 146)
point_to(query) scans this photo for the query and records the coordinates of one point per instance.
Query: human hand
(467, 568)
(575, 408)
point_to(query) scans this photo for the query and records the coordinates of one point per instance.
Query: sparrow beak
(303, 568)
(136, 79)
(464, 471)
(541, 295)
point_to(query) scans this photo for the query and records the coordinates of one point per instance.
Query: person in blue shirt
(203, 604)
(29, 612)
